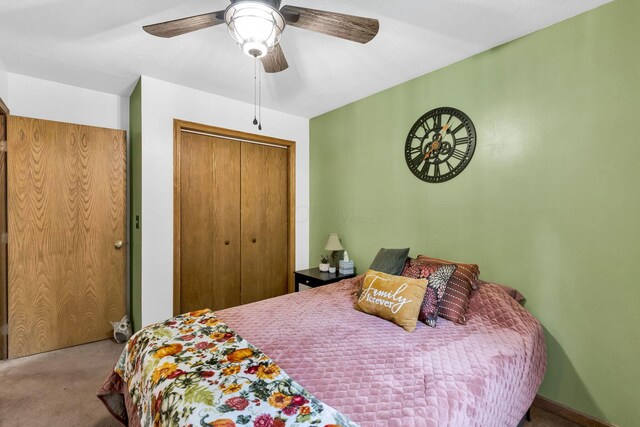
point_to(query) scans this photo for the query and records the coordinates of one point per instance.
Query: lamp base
(334, 259)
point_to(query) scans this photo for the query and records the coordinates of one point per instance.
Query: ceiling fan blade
(349, 27)
(275, 61)
(185, 25)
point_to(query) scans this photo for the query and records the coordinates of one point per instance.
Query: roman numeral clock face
(440, 145)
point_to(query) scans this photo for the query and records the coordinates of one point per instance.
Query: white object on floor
(122, 330)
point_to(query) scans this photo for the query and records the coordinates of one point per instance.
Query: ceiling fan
(257, 25)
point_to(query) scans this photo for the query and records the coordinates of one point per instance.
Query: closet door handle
(253, 240)
(226, 242)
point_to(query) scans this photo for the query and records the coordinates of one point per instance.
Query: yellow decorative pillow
(394, 298)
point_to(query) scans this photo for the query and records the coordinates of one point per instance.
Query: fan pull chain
(259, 100)
(255, 91)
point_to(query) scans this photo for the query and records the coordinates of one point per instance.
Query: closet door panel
(265, 225)
(226, 220)
(196, 157)
(210, 222)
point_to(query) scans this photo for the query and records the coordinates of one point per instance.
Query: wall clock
(440, 145)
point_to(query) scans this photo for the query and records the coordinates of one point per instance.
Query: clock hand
(428, 153)
(438, 141)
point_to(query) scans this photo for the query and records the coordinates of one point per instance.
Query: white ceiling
(99, 44)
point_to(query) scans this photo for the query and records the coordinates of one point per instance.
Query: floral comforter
(193, 370)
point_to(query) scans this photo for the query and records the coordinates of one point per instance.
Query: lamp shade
(333, 243)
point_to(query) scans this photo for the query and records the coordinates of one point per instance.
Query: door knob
(119, 244)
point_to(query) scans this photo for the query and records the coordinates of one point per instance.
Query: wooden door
(66, 207)
(210, 222)
(265, 223)
(4, 111)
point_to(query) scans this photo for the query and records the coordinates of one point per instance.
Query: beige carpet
(59, 389)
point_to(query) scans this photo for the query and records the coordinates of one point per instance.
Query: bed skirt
(116, 398)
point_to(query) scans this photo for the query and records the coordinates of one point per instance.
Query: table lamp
(333, 245)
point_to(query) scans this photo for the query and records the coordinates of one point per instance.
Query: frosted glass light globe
(256, 27)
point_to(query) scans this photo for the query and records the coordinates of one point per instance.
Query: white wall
(161, 103)
(43, 99)
(4, 83)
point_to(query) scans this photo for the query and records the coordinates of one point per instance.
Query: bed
(484, 373)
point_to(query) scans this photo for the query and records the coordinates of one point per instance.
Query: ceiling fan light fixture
(256, 27)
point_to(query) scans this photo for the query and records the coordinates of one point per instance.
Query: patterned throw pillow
(437, 276)
(455, 302)
(393, 298)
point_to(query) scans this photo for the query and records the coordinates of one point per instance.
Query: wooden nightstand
(314, 278)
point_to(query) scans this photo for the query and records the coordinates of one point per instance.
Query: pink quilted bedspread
(484, 373)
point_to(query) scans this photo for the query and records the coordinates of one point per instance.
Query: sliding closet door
(67, 200)
(265, 225)
(210, 222)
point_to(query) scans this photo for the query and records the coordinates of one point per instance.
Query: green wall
(549, 204)
(135, 203)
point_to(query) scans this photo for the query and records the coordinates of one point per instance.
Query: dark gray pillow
(390, 261)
